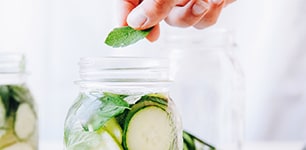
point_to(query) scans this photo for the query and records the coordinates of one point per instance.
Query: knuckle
(210, 21)
(162, 4)
(159, 3)
(133, 2)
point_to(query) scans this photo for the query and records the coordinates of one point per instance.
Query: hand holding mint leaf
(125, 36)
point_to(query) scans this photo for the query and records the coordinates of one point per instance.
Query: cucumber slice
(158, 99)
(94, 141)
(185, 147)
(189, 141)
(7, 140)
(5, 95)
(25, 121)
(194, 143)
(19, 146)
(113, 128)
(9, 137)
(108, 142)
(2, 114)
(2, 118)
(149, 128)
(81, 140)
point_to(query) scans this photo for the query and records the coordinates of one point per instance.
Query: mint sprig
(111, 106)
(125, 36)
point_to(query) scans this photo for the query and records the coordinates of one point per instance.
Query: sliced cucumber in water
(93, 141)
(8, 138)
(113, 128)
(191, 142)
(157, 99)
(2, 115)
(25, 121)
(108, 142)
(148, 128)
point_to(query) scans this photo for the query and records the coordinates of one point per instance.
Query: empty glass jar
(123, 105)
(18, 117)
(208, 86)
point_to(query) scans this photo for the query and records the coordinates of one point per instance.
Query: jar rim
(124, 69)
(12, 63)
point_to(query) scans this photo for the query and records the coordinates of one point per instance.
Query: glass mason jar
(18, 117)
(209, 86)
(123, 105)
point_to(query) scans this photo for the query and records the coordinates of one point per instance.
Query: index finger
(125, 8)
(149, 13)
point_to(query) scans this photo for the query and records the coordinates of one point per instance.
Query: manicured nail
(136, 18)
(217, 2)
(199, 8)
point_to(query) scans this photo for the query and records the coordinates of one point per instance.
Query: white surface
(249, 146)
(275, 146)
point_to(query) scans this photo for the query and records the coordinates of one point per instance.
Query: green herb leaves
(111, 106)
(13, 95)
(125, 36)
(5, 95)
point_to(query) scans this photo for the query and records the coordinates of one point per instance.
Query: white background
(54, 34)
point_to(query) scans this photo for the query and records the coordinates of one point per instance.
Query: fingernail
(199, 8)
(218, 2)
(136, 18)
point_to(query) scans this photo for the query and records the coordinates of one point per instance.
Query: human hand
(143, 14)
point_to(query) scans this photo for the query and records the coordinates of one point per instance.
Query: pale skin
(144, 14)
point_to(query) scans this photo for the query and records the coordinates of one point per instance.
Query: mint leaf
(111, 106)
(125, 36)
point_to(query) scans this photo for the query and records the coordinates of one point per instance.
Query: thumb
(149, 13)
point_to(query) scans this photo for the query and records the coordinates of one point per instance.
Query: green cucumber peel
(189, 141)
(125, 36)
(145, 101)
(112, 105)
(157, 98)
(134, 110)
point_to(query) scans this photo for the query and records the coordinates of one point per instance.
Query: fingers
(125, 8)
(212, 15)
(154, 34)
(149, 13)
(189, 14)
(229, 2)
(143, 14)
(197, 13)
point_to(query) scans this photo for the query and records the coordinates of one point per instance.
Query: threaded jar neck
(124, 72)
(12, 68)
(124, 69)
